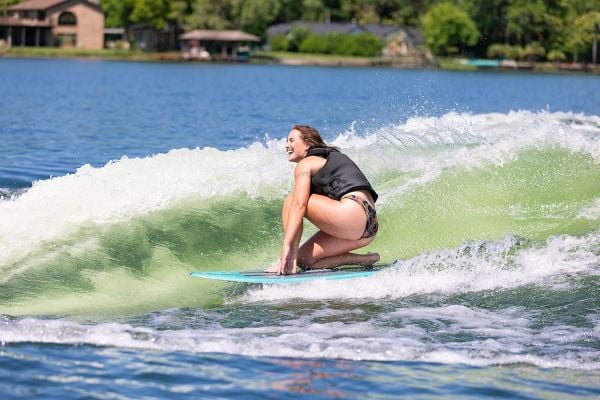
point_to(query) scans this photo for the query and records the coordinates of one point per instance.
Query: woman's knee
(306, 260)
(306, 256)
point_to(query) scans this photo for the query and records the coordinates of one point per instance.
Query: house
(226, 45)
(63, 23)
(399, 40)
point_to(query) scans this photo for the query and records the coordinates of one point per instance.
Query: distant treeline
(543, 29)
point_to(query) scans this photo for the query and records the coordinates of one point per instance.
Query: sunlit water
(118, 179)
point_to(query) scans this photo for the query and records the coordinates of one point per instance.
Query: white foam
(426, 147)
(473, 267)
(590, 212)
(420, 148)
(483, 337)
(130, 187)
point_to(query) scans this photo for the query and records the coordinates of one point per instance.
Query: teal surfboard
(270, 278)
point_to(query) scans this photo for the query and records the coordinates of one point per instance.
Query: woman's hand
(287, 265)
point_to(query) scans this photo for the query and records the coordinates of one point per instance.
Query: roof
(34, 5)
(321, 28)
(381, 31)
(318, 28)
(414, 36)
(219, 36)
(11, 21)
(411, 34)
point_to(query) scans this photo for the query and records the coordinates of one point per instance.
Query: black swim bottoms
(372, 225)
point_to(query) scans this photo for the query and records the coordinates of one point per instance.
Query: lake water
(117, 179)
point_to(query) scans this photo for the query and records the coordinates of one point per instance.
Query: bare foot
(370, 259)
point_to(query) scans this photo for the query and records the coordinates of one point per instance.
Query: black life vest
(339, 176)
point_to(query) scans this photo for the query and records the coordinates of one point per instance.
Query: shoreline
(299, 59)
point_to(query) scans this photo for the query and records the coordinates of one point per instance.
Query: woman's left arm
(296, 213)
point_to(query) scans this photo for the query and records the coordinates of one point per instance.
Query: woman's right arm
(298, 204)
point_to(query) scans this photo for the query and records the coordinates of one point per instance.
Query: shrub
(279, 43)
(497, 50)
(556, 56)
(533, 51)
(296, 36)
(363, 44)
(367, 45)
(515, 52)
(502, 51)
(313, 44)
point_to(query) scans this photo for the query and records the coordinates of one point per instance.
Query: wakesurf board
(259, 276)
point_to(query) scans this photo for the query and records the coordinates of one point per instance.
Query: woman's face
(295, 146)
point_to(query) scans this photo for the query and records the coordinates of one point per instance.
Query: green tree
(209, 14)
(533, 51)
(289, 10)
(556, 56)
(572, 39)
(447, 29)
(256, 15)
(180, 9)
(5, 4)
(490, 18)
(587, 27)
(313, 10)
(531, 20)
(117, 13)
(296, 37)
(403, 12)
(360, 11)
(153, 12)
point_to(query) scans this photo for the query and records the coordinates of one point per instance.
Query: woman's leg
(343, 219)
(325, 251)
(341, 225)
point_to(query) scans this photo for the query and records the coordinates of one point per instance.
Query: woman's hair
(311, 136)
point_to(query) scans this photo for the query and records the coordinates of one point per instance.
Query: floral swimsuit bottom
(372, 226)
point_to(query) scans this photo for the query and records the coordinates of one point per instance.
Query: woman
(332, 193)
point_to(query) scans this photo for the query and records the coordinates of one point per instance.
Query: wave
(123, 237)
(473, 267)
(483, 337)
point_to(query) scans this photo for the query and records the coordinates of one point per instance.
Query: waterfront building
(58, 23)
(225, 45)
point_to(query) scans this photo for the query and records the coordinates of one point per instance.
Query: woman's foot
(369, 259)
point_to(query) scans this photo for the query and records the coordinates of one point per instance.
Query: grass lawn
(84, 53)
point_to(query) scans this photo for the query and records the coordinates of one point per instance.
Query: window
(67, 40)
(67, 18)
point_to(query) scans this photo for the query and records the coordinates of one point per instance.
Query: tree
(180, 9)
(573, 39)
(313, 10)
(534, 20)
(448, 28)
(256, 15)
(490, 18)
(5, 4)
(587, 27)
(152, 12)
(289, 10)
(209, 14)
(556, 56)
(117, 13)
